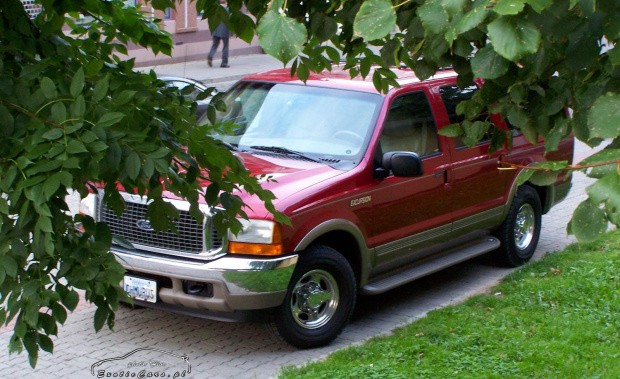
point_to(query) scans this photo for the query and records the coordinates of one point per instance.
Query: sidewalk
(221, 78)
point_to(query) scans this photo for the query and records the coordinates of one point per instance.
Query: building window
(31, 8)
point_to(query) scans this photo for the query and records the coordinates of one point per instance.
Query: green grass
(555, 318)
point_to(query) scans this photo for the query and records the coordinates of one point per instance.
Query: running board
(450, 258)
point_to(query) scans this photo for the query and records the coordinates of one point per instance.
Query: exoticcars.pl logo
(143, 363)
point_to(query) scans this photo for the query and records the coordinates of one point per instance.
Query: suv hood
(289, 176)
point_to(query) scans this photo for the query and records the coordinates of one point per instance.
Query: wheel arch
(346, 238)
(546, 194)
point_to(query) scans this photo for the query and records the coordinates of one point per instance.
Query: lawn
(558, 317)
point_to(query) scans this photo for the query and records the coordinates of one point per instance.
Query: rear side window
(451, 96)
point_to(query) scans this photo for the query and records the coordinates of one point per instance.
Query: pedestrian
(221, 33)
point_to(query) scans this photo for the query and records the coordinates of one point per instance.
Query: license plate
(140, 288)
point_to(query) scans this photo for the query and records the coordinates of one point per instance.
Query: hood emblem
(145, 225)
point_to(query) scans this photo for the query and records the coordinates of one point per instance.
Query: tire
(319, 301)
(520, 230)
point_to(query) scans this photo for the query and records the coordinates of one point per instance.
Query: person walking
(221, 33)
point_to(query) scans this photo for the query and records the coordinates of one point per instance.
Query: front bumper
(239, 284)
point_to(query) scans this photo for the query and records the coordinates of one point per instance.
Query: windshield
(325, 123)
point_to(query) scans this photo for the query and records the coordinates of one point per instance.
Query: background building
(190, 34)
(191, 37)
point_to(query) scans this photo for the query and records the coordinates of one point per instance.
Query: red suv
(376, 198)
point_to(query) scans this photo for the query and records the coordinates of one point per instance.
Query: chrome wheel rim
(525, 224)
(314, 299)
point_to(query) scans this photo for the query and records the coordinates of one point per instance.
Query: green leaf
(53, 134)
(59, 312)
(614, 55)
(604, 117)
(59, 113)
(434, 16)
(101, 315)
(101, 88)
(77, 83)
(132, 165)
(452, 130)
(71, 300)
(498, 138)
(124, 97)
(588, 222)
(50, 186)
(539, 5)
(543, 178)
(557, 134)
(47, 322)
(280, 36)
(606, 155)
(75, 147)
(10, 266)
(514, 37)
(110, 119)
(332, 53)
(7, 121)
(469, 21)
(44, 224)
(30, 343)
(474, 132)
(323, 26)
(605, 191)
(517, 116)
(78, 107)
(454, 7)
(49, 88)
(506, 7)
(374, 20)
(46, 343)
(487, 64)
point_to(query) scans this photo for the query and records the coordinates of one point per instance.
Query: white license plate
(140, 288)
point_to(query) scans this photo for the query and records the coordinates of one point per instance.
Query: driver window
(410, 126)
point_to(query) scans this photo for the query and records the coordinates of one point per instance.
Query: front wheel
(520, 230)
(319, 301)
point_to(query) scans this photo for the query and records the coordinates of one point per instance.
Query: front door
(411, 213)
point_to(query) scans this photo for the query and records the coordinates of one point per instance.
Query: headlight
(257, 237)
(88, 206)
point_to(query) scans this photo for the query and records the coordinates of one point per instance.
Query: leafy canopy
(72, 113)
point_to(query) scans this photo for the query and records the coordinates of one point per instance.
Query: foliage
(551, 318)
(71, 114)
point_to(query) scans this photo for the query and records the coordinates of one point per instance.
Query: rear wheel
(319, 301)
(520, 230)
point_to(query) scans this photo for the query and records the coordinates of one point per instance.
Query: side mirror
(402, 164)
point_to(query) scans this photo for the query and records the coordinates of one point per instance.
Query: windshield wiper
(229, 146)
(284, 150)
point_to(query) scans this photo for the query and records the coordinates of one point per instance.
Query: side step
(450, 258)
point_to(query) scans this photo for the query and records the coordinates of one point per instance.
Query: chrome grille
(190, 237)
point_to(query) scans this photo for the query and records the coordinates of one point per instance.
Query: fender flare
(343, 226)
(547, 202)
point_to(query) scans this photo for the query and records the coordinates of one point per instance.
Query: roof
(339, 78)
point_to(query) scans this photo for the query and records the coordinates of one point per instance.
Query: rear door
(479, 188)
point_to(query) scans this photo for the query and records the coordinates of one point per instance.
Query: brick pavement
(227, 350)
